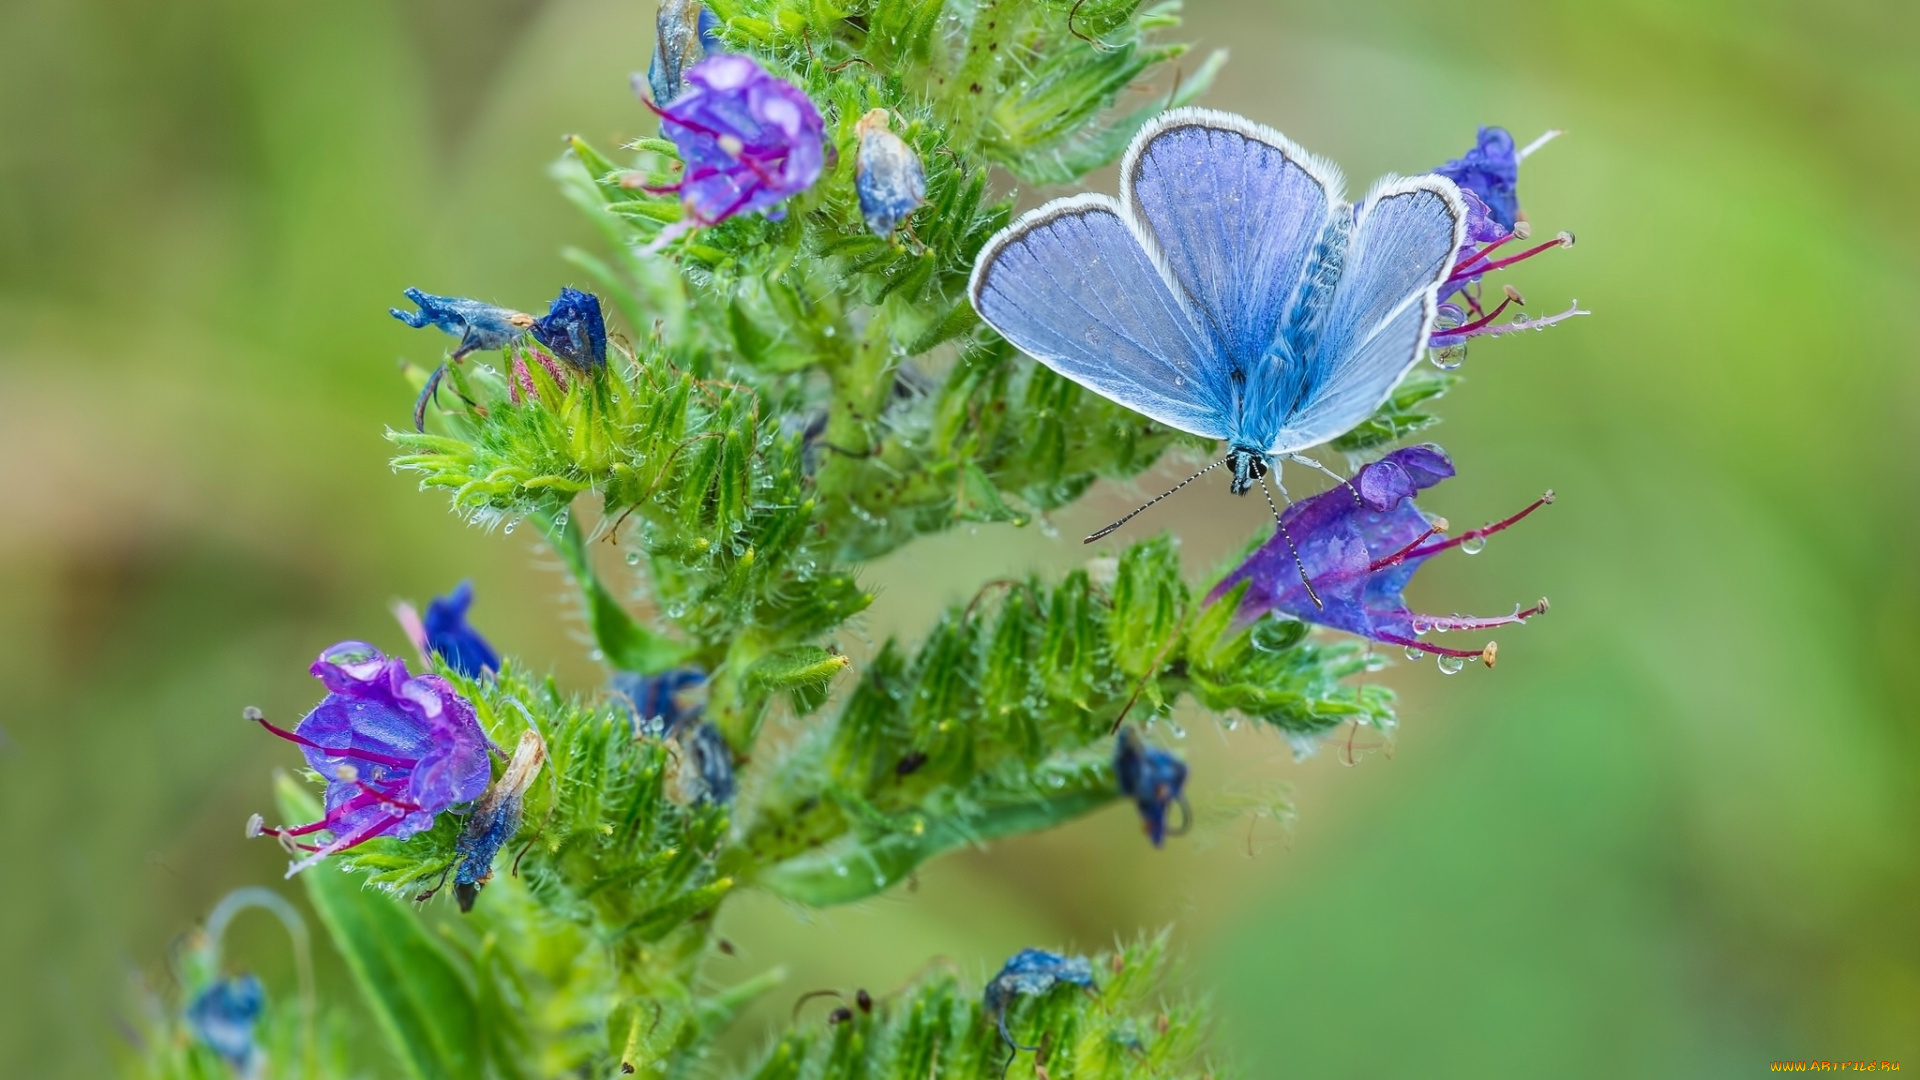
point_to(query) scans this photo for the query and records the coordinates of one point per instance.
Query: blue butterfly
(1229, 291)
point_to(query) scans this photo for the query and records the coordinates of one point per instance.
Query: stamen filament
(1466, 265)
(1477, 323)
(1439, 526)
(1500, 264)
(1489, 530)
(347, 752)
(1467, 622)
(1437, 650)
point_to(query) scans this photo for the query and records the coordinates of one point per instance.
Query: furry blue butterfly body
(1229, 291)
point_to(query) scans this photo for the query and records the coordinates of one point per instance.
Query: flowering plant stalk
(801, 385)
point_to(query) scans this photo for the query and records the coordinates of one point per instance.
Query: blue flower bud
(478, 325)
(223, 1017)
(1031, 973)
(574, 330)
(1153, 779)
(686, 32)
(891, 181)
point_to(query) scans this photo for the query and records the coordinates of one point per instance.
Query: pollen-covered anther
(1541, 607)
(1522, 229)
(1490, 654)
(1547, 499)
(1565, 239)
(1513, 294)
(253, 714)
(256, 825)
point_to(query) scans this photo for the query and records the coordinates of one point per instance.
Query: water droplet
(1473, 545)
(509, 527)
(1176, 730)
(1450, 665)
(560, 520)
(633, 558)
(1414, 653)
(840, 869)
(676, 610)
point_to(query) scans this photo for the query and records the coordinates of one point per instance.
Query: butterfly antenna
(1288, 537)
(1302, 459)
(1109, 529)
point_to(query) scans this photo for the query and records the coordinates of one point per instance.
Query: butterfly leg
(1302, 459)
(1288, 537)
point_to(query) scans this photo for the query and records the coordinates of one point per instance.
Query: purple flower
(495, 818)
(749, 140)
(395, 749)
(1153, 779)
(574, 330)
(1031, 973)
(660, 704)
(223, 1017)
(888, 175)
(1359, 544)
(686, 31)
(444, 633)
(1489, 180)
(478, 325)
(1491, 171)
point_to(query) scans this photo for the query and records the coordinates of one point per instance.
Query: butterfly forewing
(1235, 210)
(1072, 286)
(1380, 315)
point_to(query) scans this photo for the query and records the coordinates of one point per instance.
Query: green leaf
(856, 866)
(797, 667)
(625, 644)
(421, 1002)
(1084, 153)
(979, 500)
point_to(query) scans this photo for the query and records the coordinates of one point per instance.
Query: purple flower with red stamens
(750, 140)
(395, 749)
(1489, 180)
(1359, 545)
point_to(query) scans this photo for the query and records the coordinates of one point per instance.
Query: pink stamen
(346, 752)
(382, 797)
(1437, 650)
(1400, 556)
(1489, 530)
(1477, 323)
(296, 830)
(1500, 264)
(1465, 266)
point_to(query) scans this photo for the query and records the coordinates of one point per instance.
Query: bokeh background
(1677, 833)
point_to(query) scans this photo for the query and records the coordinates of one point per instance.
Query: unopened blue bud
(889, 176)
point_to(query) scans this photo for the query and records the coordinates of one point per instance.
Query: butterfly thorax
(1283, 379)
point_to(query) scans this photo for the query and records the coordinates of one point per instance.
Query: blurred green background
(1675, 834)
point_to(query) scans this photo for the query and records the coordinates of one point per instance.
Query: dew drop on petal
(1414, 653)
(1473, 545)
(1450, 665)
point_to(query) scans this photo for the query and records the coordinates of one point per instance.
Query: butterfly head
(1248, 465)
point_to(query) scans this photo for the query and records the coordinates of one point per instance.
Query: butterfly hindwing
(1071, 285)
(1404, 241)
(1235, 209)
